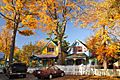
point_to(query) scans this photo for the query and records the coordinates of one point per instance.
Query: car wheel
(24, 76)
(62, 74)
(4, 70)
(10, 77)
(39, 77)
(50, 76)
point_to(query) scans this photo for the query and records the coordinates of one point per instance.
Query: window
(77, 49)
(74, 49)
(50, 49)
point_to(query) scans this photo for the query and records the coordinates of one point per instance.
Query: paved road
(28, 77)
(31, 77)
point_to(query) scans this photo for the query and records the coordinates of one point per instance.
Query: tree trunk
(60, 54)
(105, 63)
(104, 54)
(12, 47)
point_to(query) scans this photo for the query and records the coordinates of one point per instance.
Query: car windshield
(19, 65)
(53, 67)
(16, 67)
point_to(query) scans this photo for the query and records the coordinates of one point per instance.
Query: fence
(30, 69)
(88, 70)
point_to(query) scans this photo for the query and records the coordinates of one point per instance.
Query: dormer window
(50, 49)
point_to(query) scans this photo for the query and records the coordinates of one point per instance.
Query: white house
(78, 53)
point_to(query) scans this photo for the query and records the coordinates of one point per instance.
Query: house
(48, 54)
(78, 53)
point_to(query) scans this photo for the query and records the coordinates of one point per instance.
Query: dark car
(50, 72)
(16, 69)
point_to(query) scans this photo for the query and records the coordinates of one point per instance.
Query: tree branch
(6, 17)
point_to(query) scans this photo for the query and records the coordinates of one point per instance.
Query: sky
(74, 33)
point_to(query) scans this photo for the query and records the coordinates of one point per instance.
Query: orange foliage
(97, 46)
(99, 13)
(26, 32)
(5, 41)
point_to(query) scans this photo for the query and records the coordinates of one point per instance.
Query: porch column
(74, 61)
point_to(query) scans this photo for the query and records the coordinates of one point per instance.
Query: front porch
(76, 59)
(44, 60)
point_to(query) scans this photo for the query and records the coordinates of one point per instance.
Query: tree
(103, 48)
(30, 49)
(102, 15)
(18, 19)
(27, 51)
(41, 46)
(5, 41)
(17, 53)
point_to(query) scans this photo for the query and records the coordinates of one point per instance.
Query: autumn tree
(5, 41)
(41, 44)
(99, 50)
(18, 19)
(17, 52)
(101, 15)
(27, 51)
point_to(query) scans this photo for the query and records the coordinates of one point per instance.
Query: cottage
(48, 55)
(78, 54)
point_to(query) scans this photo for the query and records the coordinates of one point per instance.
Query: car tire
(10, 77)
(4, 70)
(39, 77)
(62, 74)
(24, 76)
(50, 76)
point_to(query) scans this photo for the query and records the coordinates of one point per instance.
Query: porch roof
(44, 56)
(81, 55)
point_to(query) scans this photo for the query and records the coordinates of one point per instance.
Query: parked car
(50, 72)
(16, 69)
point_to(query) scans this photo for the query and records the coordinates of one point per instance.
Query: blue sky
(73, 33)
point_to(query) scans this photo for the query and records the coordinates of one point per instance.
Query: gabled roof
(50, 42)
(83, 43)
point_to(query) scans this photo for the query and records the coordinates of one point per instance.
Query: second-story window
(50, 49)
(77, 49)
(74, 49)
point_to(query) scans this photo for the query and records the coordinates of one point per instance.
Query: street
(31, 77)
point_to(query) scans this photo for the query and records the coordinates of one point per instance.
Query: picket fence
(88, 70)
(84, 70)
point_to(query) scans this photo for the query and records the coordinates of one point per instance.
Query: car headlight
(38, 72)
